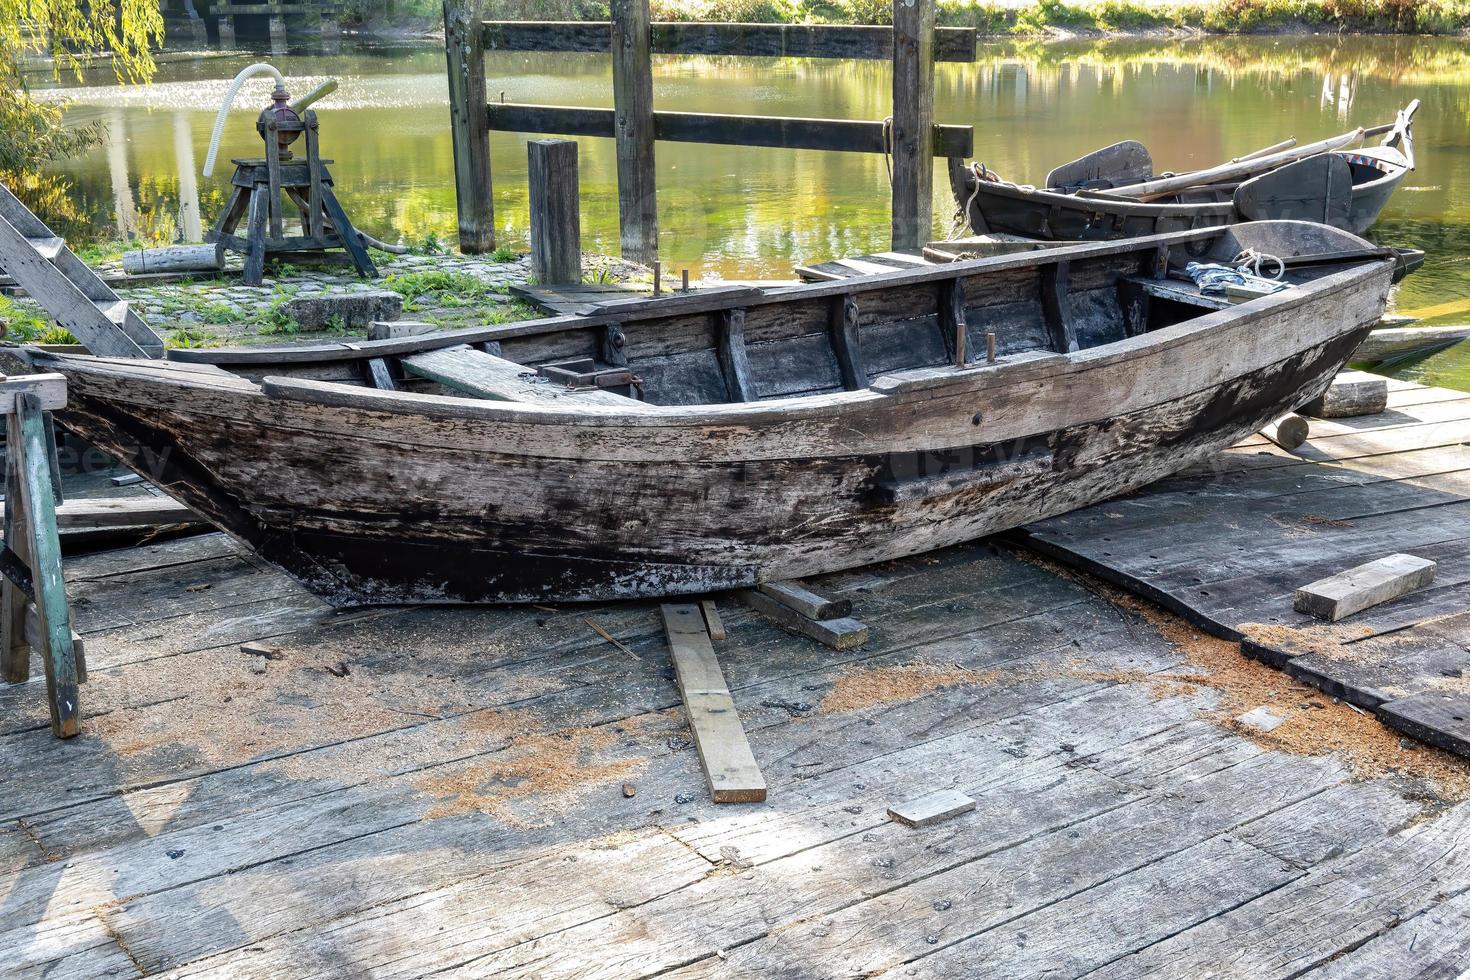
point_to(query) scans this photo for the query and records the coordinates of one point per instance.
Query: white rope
(1252, 260)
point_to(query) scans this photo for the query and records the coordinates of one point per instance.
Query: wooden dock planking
(322, 846)
(1228, 543)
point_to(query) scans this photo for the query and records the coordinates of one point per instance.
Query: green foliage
(452, 288)
(277, 320)
(24, 324)
(728, 11)
(68, 31)
(504, 253)
(218, 313)
(187, 336)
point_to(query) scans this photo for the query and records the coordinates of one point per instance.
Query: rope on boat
(1243, 270)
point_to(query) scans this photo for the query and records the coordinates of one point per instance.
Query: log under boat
(779, 433)
(1091, 199)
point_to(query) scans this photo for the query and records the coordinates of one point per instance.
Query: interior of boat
(743, 344)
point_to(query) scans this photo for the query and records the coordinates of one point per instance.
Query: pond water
(750, 212)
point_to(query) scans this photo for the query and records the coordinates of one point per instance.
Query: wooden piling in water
(556, 229)
(468, 125)
(632, 70)
(913, 122)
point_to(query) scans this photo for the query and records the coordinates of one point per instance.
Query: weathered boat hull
(373, 497)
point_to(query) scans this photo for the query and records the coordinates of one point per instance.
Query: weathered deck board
(370, 822)
(1227, 544)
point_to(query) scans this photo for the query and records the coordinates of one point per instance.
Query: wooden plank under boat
(783, 433)
(1346, 188)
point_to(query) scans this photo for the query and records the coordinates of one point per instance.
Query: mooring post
(632, 64)
(556, 229)
(226, 31)
(913, 122)
(464, 53)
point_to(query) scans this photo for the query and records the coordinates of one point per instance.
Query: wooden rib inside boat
(716, 439)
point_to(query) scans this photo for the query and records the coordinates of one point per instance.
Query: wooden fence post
(632, 64)
(556, 230)
(464, 52)
(913, 122)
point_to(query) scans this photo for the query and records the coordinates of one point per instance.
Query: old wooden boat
(1113, 193)
(716, 439)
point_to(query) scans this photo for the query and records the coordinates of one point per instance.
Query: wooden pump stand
(33, 609)
(258, 186)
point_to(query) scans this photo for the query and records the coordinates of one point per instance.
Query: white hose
(224, 109)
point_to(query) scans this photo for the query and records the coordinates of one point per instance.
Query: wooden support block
(809, 604)
(556, 224)
(1367, 585)
(395, 329)
(839, 634)
(712, 620)
(1352, 393)
(729, 765)
(127, 479)
(929, 810)
(1288, 432)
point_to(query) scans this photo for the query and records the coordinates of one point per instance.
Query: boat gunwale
(912, 385)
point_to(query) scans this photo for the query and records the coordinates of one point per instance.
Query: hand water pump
(263, 188)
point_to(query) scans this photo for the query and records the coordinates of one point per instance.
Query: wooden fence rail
(785, 132)
(909, 134)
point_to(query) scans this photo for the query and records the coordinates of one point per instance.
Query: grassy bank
(1024, 17)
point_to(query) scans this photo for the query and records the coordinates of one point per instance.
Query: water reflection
(752, 212)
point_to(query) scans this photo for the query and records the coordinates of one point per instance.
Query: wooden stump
(556, 228)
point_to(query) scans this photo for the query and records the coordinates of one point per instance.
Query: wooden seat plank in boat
(1179, 292)
(484, 375)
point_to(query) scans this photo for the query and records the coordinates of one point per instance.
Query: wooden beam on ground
(781, 132)
(846, 41)
(808, 603)
(1352, 393)
(632, 71)
(729, 765)
(465, 56)
(839, 634)
(556, 224)
(913, 123)
(124, 512)
(1356, 589)
(1288, 432)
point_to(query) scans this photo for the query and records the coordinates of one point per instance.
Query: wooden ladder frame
(33, 609)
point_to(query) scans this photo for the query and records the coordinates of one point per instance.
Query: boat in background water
(1112, 193)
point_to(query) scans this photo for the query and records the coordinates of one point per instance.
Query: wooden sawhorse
(33, 608)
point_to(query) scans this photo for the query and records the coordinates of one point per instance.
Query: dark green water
(748, 212)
